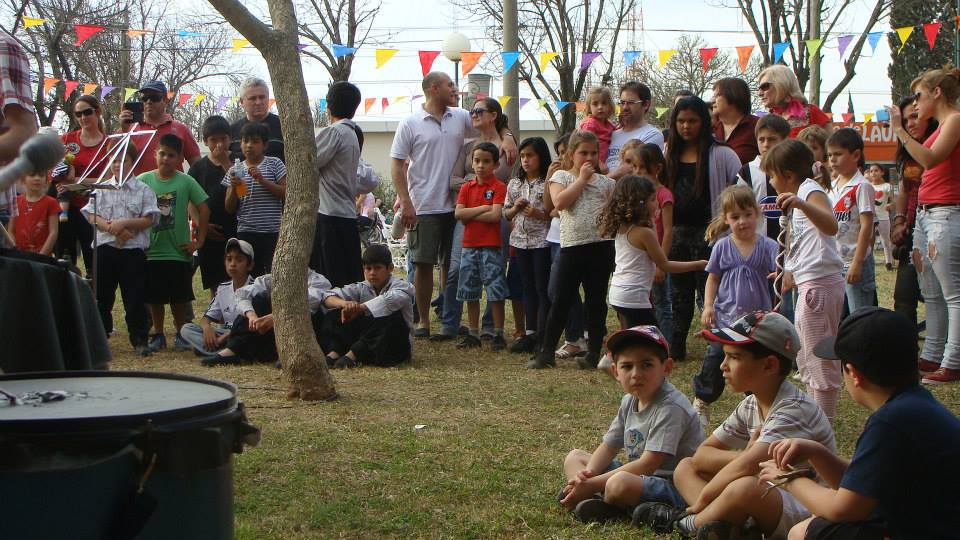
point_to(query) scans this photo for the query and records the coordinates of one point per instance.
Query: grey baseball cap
(768, 328)
(244, 246)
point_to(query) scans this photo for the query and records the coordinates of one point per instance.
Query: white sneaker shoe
(703, 411)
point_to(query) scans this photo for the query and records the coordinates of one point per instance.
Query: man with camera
(150, 112)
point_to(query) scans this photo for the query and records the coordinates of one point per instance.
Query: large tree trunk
(303, 364)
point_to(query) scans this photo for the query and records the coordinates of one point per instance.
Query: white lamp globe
(454, 45)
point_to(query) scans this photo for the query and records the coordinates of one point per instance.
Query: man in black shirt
(255, 101)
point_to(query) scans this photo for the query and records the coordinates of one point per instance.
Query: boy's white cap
(244, 246)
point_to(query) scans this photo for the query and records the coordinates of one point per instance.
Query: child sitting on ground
(719, 482)
(205, 338)
(656, 427)
(37, 223)
(908, 446)
(370, 321)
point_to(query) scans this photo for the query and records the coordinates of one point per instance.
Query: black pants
(906, 289)
(708, 384)
(375, 341)
(688, 245)
(821, 529)
(589, 265)
(250, 344)
(77, 230)
(212, 270)
(630, 317)
(336, 250)
(125, 268)
(535, 275)
(264, 244)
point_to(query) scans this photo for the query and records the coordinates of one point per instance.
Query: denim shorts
(481, 268)
(655, 488)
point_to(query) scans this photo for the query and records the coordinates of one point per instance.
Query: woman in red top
(937, 234)
(83, 144)
(781, 95)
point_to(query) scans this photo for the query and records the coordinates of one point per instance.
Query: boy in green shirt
(169, 271)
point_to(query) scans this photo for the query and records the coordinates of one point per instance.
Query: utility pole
(813, 26)
(511, 81)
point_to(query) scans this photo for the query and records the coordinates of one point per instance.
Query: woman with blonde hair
(780, 92)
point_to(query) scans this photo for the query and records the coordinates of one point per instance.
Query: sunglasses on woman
(152, 98)
(478, 112)
(764, 86)
(84, 112)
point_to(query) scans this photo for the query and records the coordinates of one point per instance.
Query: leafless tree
(344, 22)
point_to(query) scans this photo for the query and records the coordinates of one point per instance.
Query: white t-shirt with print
(578, 222)
(645, 134)
(849, 201)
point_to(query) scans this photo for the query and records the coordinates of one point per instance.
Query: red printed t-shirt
(33, 221)
(191, 151)
(940, 185)
(474, 194)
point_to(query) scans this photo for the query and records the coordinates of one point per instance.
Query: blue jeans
(937, 237)
(192, 333)
(663, 306)
(573, 330)
(453, 308)
(862, 293)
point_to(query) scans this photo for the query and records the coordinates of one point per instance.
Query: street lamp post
(453, 47)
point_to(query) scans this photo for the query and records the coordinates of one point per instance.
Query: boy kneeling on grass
(205, 338)
(902, 480)
(370, 321)
(719, 482)
(656, 427)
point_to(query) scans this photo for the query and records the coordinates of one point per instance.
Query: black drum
(118, 455)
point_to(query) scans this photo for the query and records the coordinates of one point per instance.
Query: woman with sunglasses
(780, 92)
(82, 144)
(937, 233)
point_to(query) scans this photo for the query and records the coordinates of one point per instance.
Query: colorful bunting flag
(426, 60)
(69, 87)
(135, 33)
(469, 61)
(30, 22)
(302, 46)
(778, 50)
(874, 39)
(322, 104)
(339, 51)
(706, 55)
(383, 56)
(367, 103)
(105, 90)
(581, 106)
(399, 99)
(586, 59)
(867, 117)
(629, 57)
(847, 116)
(930, 30)
(665, 55)
(85, 32)
(904, 34)
(545, 59)
(221, 103)
(48, 83)
(127, 92)
(239, 43)
(509, 59)
(662, 111)
(843, 42)
(503, 100)
(813, 47)
(198, 98)
(743, 55)
(271, 103)
(523, 101)
(384, 103)
(562, 104)
(89, 88)
(188, 33)
(541, 103)
(183, 99)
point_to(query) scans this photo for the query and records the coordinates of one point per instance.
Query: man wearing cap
(903, 477)
(154, 97)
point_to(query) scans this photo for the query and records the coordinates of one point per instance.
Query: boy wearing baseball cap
(656, 427)
(902, 479)
(719, 482)
(205, 338)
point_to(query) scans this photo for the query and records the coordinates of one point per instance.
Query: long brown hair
(627, 205)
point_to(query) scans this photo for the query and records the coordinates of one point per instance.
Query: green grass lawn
(487, 464)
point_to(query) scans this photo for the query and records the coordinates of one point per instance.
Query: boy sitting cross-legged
(656, 427)
(901, 482)
(719, 482)
(370, 321)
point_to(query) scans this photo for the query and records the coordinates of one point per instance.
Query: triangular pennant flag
(779, 49)
(301, 46)
(587, 58)
(198, 98)
(271, 103)
(322, 104)
(339, 51)
(135, 33)
(665, 55)
(542, 103)
(183, 99)
(661, 111)
(867, 117)
(904, 34)
(89, 88)
(581, 106)
(233, 101)
(503, 100)
(426, 60)
(170, 96)
(545, 59)
(562, 104)
(104, 90)
(69, 87)
(469, 61)
(843, 42)
(523, 101)
(30, 22)
(367, 103)
(629, 57)
(221, 103)
(706, 55)
(813, 47)
(239, 43)
(509, 59)
(874, 39)
(188, 33)
(48, 83)
(743, 56)
(930, 30)
(383, 56)
(85, 31)
(127, 92)
(384, 103)
(399, 99)
(847, 116)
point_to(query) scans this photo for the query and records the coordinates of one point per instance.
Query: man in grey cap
(155, 99)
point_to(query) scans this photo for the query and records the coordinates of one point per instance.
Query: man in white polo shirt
(635, 101)
(430, 140)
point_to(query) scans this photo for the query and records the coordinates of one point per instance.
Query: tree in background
(916, 56)
(343, 22)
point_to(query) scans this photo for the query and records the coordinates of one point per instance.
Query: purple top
(744, 286)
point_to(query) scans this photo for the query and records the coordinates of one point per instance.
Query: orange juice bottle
(241, 186)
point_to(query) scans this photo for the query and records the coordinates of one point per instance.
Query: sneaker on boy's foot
(157, 342)
(142, 350)
(660, 517)
(436, 338)
(703, 411)
(345, 362)
(217, 360)
(589, 361)
(498, 343)
(925, 367)
(942, 376)
(541, 361)
(180, 345)
(724, 530)
(524, 344)
(468, 342)
(606, 362)
(594, 509)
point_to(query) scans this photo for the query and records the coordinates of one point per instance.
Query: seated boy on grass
(656, 427)
(370, 321)
(720, 481)
(205, 338)
(902, 481)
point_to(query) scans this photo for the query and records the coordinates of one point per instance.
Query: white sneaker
(703, 411)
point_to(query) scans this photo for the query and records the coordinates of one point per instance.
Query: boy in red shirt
(37, 223)
(479, 207)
